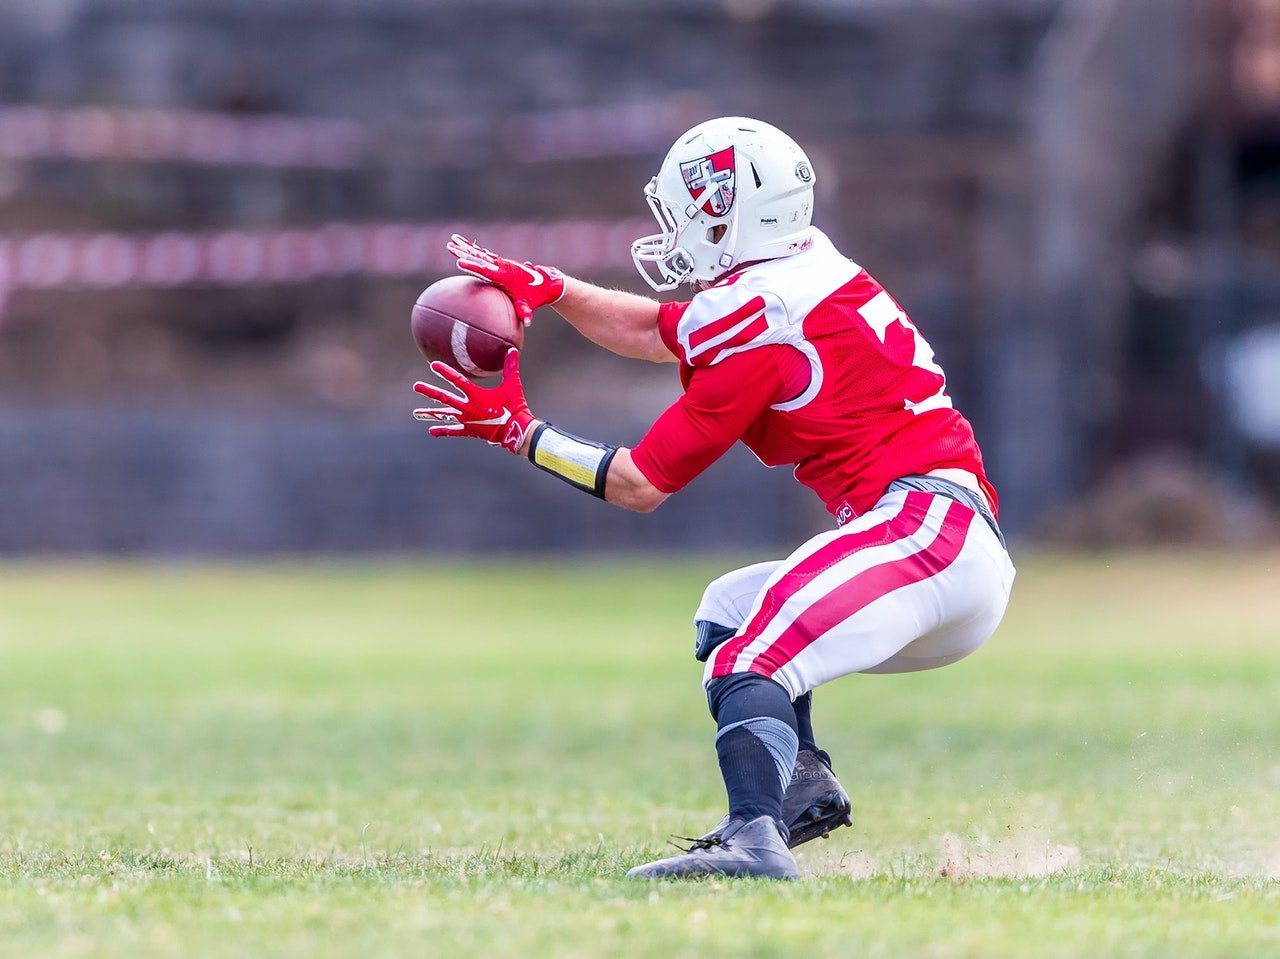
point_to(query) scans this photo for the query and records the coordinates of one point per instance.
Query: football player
(791, 348)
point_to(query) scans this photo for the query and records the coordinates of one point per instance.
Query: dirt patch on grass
(832, 861)
(1029, 854)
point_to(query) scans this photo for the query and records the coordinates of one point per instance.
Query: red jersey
(808, 361)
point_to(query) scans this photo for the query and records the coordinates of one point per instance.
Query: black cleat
(815, 803)
(736, 847)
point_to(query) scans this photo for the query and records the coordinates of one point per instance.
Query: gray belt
(952, 490)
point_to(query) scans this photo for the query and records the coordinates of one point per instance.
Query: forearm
(621, 322)
(627, 486)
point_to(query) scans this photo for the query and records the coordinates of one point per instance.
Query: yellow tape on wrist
(580, 463)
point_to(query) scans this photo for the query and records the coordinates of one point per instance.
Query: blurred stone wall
(276, 418)
(148, 482)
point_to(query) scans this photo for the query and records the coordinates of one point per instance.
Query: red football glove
(529, 285)
(498, 415)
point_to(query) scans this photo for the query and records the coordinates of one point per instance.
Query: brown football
(468, 323)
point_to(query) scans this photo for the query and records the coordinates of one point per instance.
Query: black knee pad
(743, 696)
(710, 635)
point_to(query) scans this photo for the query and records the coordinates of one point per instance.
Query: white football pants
(919, 581)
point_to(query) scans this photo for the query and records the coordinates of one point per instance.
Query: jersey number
(881, 312)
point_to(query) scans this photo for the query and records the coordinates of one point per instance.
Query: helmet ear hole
(716, 233)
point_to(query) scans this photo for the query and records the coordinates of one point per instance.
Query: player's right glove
(498, 415)
(529, 285)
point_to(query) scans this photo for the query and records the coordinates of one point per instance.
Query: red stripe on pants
(864, 589)
(913, 511)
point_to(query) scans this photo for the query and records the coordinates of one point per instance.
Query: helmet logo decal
(803, 173)
(710, 179)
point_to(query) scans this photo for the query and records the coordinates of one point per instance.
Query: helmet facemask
(672, 264)
(694, 245)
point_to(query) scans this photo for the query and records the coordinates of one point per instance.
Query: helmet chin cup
(664, 266)
(680, 264)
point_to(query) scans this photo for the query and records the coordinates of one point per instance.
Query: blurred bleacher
(214, 215)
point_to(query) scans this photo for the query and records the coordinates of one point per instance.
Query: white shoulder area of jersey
(763, 305)
(724, 320)
(805, 279)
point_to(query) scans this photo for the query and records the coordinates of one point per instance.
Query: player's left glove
(529, 285)
(498, 415)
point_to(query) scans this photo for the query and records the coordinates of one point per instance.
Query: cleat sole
(822, 825)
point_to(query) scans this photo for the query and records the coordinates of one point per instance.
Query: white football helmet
(730, 191)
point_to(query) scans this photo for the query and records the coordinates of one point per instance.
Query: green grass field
(391, 760)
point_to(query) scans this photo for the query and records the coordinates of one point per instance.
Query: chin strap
(729, 257)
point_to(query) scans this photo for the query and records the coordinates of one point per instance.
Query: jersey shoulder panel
(725, 320)
(763, 305)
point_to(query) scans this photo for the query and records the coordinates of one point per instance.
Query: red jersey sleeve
(719, 404)
(669, 315)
